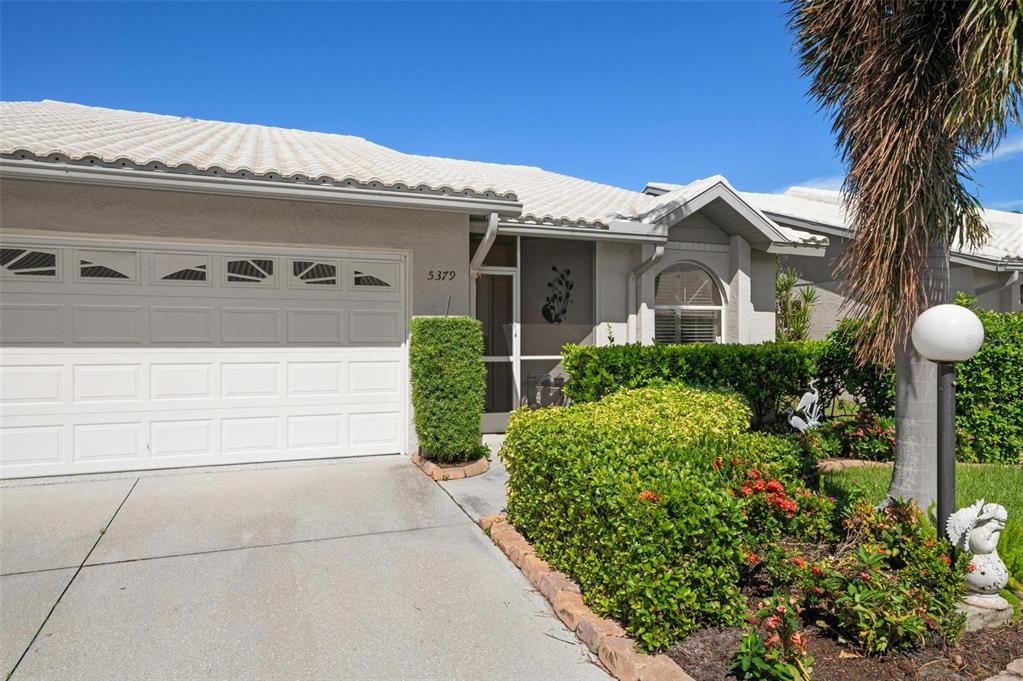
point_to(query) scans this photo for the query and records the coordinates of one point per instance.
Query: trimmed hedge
(668, 516)
(766, 375)
(622, 495)
(448, 387)
(772, 376)
(989, 391)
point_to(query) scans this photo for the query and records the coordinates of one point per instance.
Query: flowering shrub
(897, 587)
(636, 498)
(773, 647)
(867, 436)
(670, 516)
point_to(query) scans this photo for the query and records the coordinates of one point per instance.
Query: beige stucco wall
(434, 240)
(614, 261)
(829, 310)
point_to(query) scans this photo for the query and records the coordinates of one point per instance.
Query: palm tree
(917, 90)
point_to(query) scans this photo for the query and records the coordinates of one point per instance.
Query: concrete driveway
(361, 569)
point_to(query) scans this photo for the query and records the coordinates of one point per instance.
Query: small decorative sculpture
(976, 529)
(809, 406)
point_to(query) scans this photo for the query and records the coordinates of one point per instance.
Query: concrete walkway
(343, 570)
(483, 494)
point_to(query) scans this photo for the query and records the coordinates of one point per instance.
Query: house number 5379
(440, 275)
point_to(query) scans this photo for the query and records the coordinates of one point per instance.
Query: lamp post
(946, 334)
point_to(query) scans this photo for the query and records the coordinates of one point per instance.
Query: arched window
(687, 306)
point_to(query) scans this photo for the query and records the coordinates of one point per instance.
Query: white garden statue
(976, 529)
(809, 406)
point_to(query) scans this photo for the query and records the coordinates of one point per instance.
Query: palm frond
(916, 90)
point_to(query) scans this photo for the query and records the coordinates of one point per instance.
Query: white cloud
(1009, 148)
(832, 182)
(1006, 205)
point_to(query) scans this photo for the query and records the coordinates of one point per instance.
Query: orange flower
(753, 558)
(800, 563)
(816, 570)
(944, 557)
(971, 567)
(647, 495)
(717, 463)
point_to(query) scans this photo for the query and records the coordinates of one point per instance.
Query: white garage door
(159, 357)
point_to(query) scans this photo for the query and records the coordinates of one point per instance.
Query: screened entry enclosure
(688, 306)
(532, 296)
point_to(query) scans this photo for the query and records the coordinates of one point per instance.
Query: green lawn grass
(991, 482)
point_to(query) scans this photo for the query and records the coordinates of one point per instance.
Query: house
(991, 272)
(181, 292)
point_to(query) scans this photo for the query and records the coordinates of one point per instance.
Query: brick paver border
(604, 637)
(436, 472)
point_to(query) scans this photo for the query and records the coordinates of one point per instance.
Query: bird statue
(796, 422)
(809, 406)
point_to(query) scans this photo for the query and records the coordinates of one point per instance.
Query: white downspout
(478, 257)
(632, 293)
(484, 250)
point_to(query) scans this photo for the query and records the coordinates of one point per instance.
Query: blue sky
(620, 92)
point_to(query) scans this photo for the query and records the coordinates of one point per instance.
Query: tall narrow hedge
(448, 387)
(768, 375)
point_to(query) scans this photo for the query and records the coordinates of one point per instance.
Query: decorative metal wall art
(555, 308)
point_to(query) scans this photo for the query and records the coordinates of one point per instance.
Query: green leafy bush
(989, 392)
(838, 372)
(768, 375)
(866, 436)
(773, 647)
(448, 384)
(895, 589)
(634, 496)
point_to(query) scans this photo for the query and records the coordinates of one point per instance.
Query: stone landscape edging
(604, 638)
(440, 473)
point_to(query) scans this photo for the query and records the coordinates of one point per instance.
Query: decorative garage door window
(108, 265)
(314, 273)
(375, 275)
(176, 268)
(29, 262)
(258, 271)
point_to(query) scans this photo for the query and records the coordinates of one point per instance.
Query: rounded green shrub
(448, 387)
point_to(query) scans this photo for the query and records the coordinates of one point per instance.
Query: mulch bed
(979, 654)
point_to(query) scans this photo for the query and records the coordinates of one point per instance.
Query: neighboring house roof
(74, 133)
(823, 210)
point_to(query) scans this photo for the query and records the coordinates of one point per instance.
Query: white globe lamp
(946, 334)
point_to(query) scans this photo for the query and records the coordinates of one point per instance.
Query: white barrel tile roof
(826, 207)
(113, 136)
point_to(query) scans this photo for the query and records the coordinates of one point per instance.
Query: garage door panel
(375, 326)
(180, 381)
(315, 326)
(177, 438)
(31, 384)
(32, 445)
(250, 325)
(107, 382)
(172, 365)
(181, 325)
(108, 324)
(35, 324)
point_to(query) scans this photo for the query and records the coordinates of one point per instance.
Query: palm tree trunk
(915, 473)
